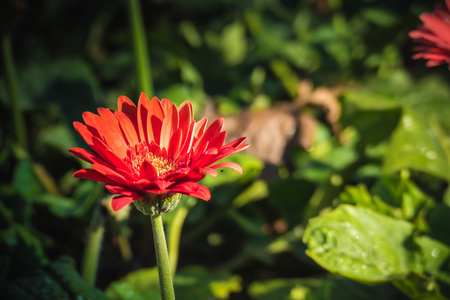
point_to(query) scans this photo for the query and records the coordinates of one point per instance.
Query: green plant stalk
(174, 236)
(144, 73)
(13, 87)
(92, 251)
(162, 259)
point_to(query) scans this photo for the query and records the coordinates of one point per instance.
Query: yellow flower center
(136, 155)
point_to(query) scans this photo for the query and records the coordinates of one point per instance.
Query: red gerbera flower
(152, 151)
(434, 34)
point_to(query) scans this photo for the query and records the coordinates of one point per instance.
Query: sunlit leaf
(189, 283)
(318, 289)
(436, 257)
(402, 193)
(416, 145)
(352, 241)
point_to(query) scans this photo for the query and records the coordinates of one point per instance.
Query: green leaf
(283, 289)
(416, 145)
(190, 33)
(402, 193)
(232, 43)
(360, 244)
(380, 17)
(318, 289)
(195, 282)
(300, 55)
(417, 286)
(64, 270)
(368, 124)
(141, 284)
(60, 137)
(436, 257)
(359, 195)
(25, 180)
(189, 283)
(84, 196)
(58, 281)
(286, 75)
(190, 74)
(381, 94)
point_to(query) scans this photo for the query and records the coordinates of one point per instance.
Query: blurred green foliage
(368, 203)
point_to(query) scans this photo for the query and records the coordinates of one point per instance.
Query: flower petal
(199, 128)
(438, 26)
(127, 107)
(169, 125)
(155, 111)
(109, 156)
(156, 129)
(142, 111)
(115, 189)
(128, 127)
(110, 173)
(192, 189)
(231, 165)
(85, 155)
(112, 133)
(85, 133)
(175, 144)
(93, 175)
(206, 137)
(119, 202)
(148, 171)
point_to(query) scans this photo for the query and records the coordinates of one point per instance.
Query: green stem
(92, 252)
(144, 73)
(13, 87)
(162, 259)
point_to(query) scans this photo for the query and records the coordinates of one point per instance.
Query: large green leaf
(361, 244)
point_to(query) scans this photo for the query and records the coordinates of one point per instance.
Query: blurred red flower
(434, 35)
(152, 151)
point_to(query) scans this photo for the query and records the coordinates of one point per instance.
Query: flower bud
(157, 204)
